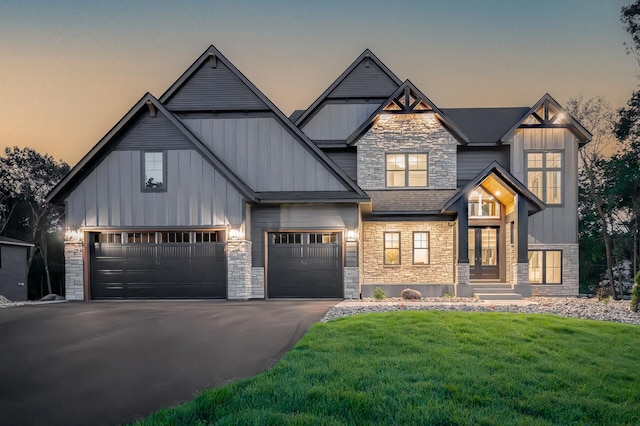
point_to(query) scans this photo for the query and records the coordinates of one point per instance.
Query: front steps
(494, 291)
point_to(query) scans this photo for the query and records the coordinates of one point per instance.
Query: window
(141, 238)
(406, 170)
(545, 266)
(110, 237)
(420, 248)
(544, 176)
(154, 170)
(391, 248)
(175, 237)
(323, 238)
(207, 237)
(287, 238)
(483, 204)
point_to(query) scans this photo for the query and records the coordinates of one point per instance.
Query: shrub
(379, 294)
(603, 293)
(635, 294)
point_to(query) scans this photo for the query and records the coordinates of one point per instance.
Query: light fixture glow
(73, 235)
(235, 234)
(498, 193)
(351, 235)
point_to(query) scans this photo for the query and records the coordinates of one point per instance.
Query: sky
(69, 70)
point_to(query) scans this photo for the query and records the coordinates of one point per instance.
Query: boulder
(411, 294)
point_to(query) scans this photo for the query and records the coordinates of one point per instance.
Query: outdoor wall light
(71, 235)
(235, 234)
(351, 235)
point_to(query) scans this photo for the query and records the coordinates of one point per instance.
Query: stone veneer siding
(439, 270)
(351, 283)
(570, 271)
(239, 273)
(73, 271)
(257, 283)
(410, 133)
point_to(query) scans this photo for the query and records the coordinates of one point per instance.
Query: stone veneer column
(351, 282)
(257, 282)
(520, 282)
(239, 274)
(463, 289)
(73, 270)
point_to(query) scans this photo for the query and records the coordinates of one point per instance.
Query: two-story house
(211, 191)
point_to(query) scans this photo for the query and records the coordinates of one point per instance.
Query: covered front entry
(304, 264)
(158, 265)
(483, 253)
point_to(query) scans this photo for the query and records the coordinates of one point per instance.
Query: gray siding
(338, 121)
(13, 271)
(346, 159)
(554, 225)
(264, 154)
(214, 89)
(111, 195)
(473, 160)
(148, 132)
(291, 217)
(365, 82)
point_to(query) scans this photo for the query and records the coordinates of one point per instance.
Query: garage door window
(206, 237)
(323, 238)
(286, 238)
(141, 238)
(175, 237)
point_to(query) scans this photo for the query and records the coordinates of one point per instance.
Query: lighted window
(483, 204)
(406, 170)
(545, 266)
(391, 248)
(420, 248)
(544, 176)
(154, 171)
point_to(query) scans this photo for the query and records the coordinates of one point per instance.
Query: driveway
(104, 363)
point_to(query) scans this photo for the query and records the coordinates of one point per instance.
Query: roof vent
(213, 61)
(367, 63)
(152, 109)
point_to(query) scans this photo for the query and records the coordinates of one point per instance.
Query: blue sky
(70, 69)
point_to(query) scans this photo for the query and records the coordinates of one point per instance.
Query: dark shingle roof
(421, 200)
(485, 125)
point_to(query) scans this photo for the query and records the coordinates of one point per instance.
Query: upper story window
(544, 175)
(154, 171)
(406, 170)
(482, 204)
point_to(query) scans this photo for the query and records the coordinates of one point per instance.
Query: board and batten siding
(472, 160)
(111, 195)
(338, 121)
(298, 218)
(553, 225)
(264, 154)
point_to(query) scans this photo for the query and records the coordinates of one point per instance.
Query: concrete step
(497, 296)
(492, 289)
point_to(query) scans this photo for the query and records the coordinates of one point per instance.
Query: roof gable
(146, 106)
(407, 99)
(548, 113)
(212, 83)
(486, 125)
(366, 77)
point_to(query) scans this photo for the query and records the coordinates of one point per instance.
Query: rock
(410, 294)
(50, 297)
(4, 299)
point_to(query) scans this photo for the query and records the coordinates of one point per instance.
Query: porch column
(521, 268)
(73, 270)
(462, 268)
(238, 269)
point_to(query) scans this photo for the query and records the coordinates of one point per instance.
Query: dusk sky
(69, 70)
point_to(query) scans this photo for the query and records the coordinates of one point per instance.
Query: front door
(483, 253)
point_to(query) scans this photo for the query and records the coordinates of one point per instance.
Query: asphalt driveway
(104, 363)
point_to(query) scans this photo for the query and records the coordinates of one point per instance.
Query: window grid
(391, 248)
(544, 175)
(420, 248)
(545, 266)
(406, 170)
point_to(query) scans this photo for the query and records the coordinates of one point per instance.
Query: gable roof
(112, 138)
(379, 82)
(507, 178)
(566, 120)
(411, 101)
(486, 125)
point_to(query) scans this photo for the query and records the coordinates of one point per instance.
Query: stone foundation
(239, 273)
(395, 290)
(351, 283)
(463, 289)
(257, 283)
(73, 271)
(520, 281)
(570, 271)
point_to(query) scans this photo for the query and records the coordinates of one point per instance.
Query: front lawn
(437, 368)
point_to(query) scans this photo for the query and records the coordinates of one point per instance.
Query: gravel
(594, 309)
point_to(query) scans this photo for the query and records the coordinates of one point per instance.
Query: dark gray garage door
(304, 264)
(158, 265)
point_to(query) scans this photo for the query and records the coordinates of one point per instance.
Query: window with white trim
(545, 266)
(406, 170)
(544, 175)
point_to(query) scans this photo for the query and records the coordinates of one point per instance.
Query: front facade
(211, 192)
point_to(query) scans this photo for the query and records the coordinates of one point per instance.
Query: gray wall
(472, 160)
(365, 82)
(299, 218)
(264, 154)
(338, 121)
(346, 159)
(111, 195)
(554, 225)
(13, 271)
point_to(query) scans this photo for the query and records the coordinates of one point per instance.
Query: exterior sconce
(235, 234)
(351, 235)
(73, 236)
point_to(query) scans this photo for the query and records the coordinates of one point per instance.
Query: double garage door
(158, 265)
(304, 265)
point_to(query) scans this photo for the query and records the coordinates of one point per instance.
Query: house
(14, 257)
(211, 191)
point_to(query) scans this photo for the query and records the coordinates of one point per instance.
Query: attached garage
(304, 264)
(158, 265)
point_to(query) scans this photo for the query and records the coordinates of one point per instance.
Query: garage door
(158, 265)
(303, 264)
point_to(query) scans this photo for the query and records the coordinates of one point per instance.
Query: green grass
(440, 368)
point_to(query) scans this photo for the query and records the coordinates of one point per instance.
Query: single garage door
(304, 264)
(158, 265)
